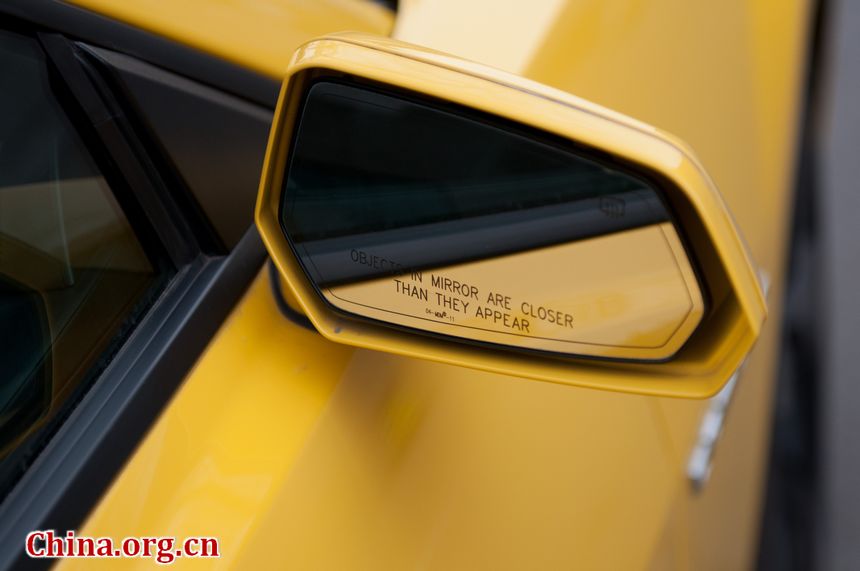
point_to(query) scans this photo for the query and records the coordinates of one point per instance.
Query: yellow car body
(300, 453)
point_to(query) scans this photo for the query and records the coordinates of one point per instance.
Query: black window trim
(125, 165)
(83, 25)
(78, 463)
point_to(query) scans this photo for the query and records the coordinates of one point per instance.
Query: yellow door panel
(237, 425)
(304, 454)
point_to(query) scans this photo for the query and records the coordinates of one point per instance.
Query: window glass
(72, 272)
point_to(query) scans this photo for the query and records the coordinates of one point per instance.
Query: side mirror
(431, 207)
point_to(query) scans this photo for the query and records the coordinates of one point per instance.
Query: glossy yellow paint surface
(299, 451)
(315, 455)
(257, 34)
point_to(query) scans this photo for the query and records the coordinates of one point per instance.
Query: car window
(73, 274)
(214, 140)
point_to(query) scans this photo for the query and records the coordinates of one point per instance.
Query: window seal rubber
(78, 464)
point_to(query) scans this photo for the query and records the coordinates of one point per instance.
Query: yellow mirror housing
(693, 356)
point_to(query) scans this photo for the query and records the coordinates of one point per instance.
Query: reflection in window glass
(71, 269)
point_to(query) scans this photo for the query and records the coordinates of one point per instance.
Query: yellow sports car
(347, 284)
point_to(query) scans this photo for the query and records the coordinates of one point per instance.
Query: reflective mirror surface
(422, 215)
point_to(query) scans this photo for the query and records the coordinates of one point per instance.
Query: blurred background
(812, 516)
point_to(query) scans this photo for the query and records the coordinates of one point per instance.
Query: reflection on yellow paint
(630, 294)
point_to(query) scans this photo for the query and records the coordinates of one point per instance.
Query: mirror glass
(424, 215)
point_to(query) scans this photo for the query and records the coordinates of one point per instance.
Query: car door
(117, 260)
(296, 450)
(364, 459)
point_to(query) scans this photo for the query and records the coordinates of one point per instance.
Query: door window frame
(205, 282)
